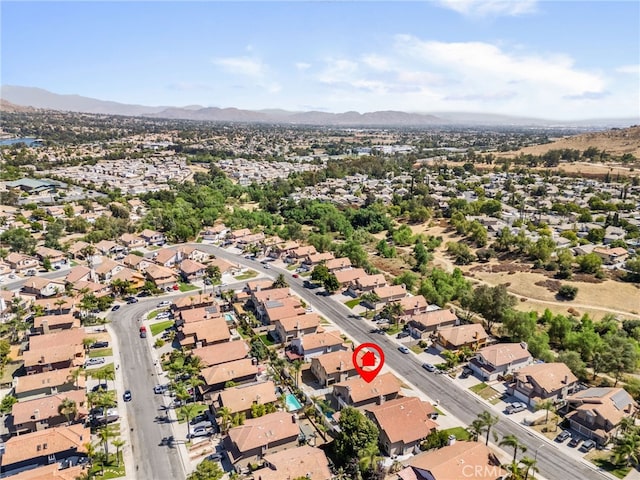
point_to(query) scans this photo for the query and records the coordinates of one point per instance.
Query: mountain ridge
(43, 99)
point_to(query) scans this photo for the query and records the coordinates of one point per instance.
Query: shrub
(567, 292)
(158, 343)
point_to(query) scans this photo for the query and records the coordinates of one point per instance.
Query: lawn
(186, 287)
(95, 373)
(417, 349)
(461, 433)
(485, 391)
(247, 275)
(201, 408)
(100, 352)
(292, 267)
(604, 460)
(159, 327)
(153, 314)
(111, 469)
(478, 388)
(393, 329)
(266, 339)
(352, 303)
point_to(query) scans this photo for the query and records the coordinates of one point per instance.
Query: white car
(165, 303)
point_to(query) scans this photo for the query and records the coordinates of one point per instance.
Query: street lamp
(535, 457)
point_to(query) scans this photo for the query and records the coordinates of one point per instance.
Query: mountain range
(44, 99)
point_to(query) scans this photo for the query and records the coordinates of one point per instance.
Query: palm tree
(369, 299)
(295, 368)
(625, 425)
(547, 405)
(476, 429)
(118, 443)
(91, 452)
(68, 408)
(76, 374)
(195, 382)
(224, 415)
(369, 459)
(189, 411)
(627, 448)
(515, 473)
(530, 464)
(105, 434)
(59, 303)
(280, 282)
(488, 421)
(393, 311)
(512, 441)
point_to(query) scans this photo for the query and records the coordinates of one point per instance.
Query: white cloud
(338, 71)
(632, 69)
(482, 8)
(303, 66)
(377, 62)
(246, 66)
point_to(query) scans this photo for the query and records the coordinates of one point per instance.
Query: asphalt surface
(464, 405)
(152, 460)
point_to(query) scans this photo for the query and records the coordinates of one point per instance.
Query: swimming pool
(228, 317)
(292, 403)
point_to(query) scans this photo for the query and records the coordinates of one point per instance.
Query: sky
(565, 60)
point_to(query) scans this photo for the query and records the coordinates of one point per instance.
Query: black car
(115, 308)
(100, 387)
(575, 441)
(131, 300)
(101, 344)
(403, 334)
(562, 436)
(127, 396)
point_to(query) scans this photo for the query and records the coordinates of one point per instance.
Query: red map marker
(368, 360)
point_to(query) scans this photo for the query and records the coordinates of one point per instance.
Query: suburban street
(461, 403)
(152, 459)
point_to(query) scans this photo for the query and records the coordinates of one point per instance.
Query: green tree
(627, 449)
(7, 404)
(118, 443)
(513, 442)
(488, 422)
(320, 273)
(548, 406)
(206, 470)
(572, 360)
(620, 355)
(519, 326)
(421, 254)
(408, 279)
(224, 415)
(493, 303)
(590, 263)
(567, 292)
(280, 282)
(357, 434)
(189, 411)
(530, 465)
(331, 283)
(68, 408)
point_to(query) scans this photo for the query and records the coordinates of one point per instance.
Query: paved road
(553, 463)
(152, 460)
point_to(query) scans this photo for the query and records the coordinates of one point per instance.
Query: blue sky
(558, 60)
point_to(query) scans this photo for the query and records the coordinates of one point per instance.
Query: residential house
(20, 263)
(414, 305)
(259, 437)
(253, 286)
(612, 256)
(224, 266)
(240, 399)
(470, 335)
(136, 262)
(311, 261)
(612, 234)
(197, 314)
(107, 268)
(403, 423)
(388, 294)
(153, 238)
(40, 413)
(132, 241)
(47, 324)
(302, 252)
(162, 277)
(596, 412)
(76, 250)
(333, 367)
(283, 249)
(191, 270)
(336, 264)
(108, 247)
(168, 257)
(54, 351)
(194, 253)
(216, 233)
(542, 381)
(79, 273)
(237, 371)
(500, 360)
(252, 239)
(235, 235)
(348, 278)
(278, 309)
(42, 287)
(455, 462)
(38, 449)
(197, 300)
(204, 332)
(286, 329)
(57, 305)
(369, 283)
(355, 392)
(301, 462)
(136, 279)
(222, 352)
(57, 259)
(316, 344)
(46, 383)
(97, 289)
(423, 325)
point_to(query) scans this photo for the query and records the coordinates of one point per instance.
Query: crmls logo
(482, 471)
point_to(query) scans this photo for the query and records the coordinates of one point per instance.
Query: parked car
(163, 315)
(94, 361)
(202, 424)
(165, 303)
(100, 387)
(158, 389)
(131, 300)
(127, 396)
(587, 446)
(115, 308)
(203, 417)
(575, 441)
(403, 334)
(200, 432)
(515, 407)
(428, 367)
(562, 436)
(266, 266)
(100, 344)
(404, 349)
(215, 457)
(466, 372)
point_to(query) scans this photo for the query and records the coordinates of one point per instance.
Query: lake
(27, 141)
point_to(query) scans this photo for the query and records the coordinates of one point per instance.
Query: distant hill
(40, 98)
(12, 108)
(615, 141)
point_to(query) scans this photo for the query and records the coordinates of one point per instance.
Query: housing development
(184, 300)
